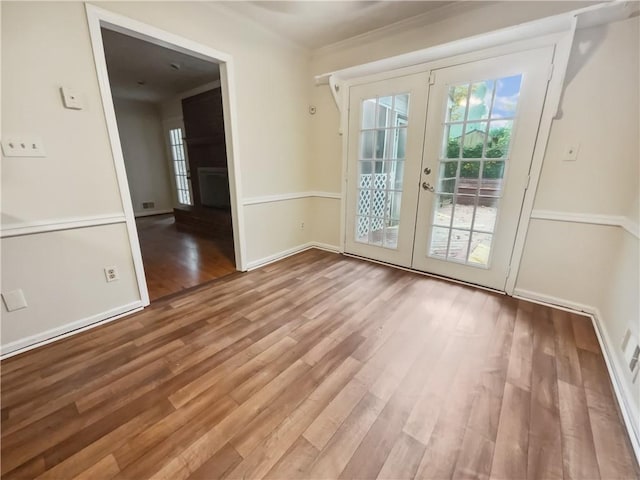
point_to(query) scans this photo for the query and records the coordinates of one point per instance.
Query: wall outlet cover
(571, 153)
(111, 273)
(22, 146)
(71, 99)
(14, 300)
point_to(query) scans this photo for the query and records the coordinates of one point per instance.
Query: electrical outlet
(111, 273)
(22, 146)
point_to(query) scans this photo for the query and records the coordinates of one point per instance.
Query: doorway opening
(170, 106)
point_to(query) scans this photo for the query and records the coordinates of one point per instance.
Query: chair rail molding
(290, 196)
(621, 221)
(57, 224)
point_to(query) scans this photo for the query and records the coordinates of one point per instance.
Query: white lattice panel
(372, 202)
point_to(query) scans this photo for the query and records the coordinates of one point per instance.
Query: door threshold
(427, 274)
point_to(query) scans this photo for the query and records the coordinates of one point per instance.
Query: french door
(386, 135)
(461, 206)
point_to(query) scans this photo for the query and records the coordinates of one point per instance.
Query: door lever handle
(427, 186)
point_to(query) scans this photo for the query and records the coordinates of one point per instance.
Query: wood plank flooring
(319, 366)
(175, 260)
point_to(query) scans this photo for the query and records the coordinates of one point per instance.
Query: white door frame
(98, 18)
(562, 43)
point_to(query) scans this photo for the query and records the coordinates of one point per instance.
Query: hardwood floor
(319, 366)
(175, 260)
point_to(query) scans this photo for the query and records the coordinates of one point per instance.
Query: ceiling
(130, 61)
(314, 24)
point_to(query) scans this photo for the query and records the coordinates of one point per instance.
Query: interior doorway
(171, 106)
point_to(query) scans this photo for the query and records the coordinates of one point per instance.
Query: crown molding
(436, 15)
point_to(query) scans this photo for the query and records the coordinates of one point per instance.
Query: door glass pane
(395, 174)
(480, 248)
(463, 211)
(458, 245)
(478, 126)
(401, 105)
(366, 144)
(383, 137)
(492, 178)
(486, 214)
(384, 108)
(451, 143)
(506, 97)
(446, 185)
(444, 210)
(474, 137)
(362, 229)
(179, 166)
(400, 143)
(368, 113)
(480, 100)
(439, 242)
(499, 139)
(457, 103)
(381, 143)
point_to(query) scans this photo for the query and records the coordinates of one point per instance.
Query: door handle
(427, 186)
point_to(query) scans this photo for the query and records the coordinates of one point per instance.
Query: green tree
(497, 147)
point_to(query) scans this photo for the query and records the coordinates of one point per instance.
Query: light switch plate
(14, 300)
(71, 99)
(22, 146)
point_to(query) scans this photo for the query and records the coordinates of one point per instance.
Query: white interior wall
(594, 267)
(145, 155)
(64, 282)
(46, 45)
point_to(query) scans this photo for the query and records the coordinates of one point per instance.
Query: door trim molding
(97, 18)
(555, 89)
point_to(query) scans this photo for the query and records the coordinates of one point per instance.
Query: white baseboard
(289, 252)
(148, 213)
(326, 246)
(624, 396)
(58, 333)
